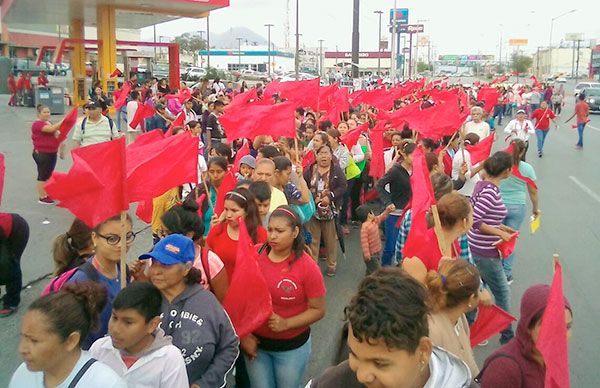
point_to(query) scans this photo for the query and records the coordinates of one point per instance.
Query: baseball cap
(521, 111)
(248, 160)
(93, 105)
(173, 249)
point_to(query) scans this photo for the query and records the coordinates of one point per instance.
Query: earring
(469, 305)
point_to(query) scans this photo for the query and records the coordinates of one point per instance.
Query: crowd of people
(298, 199)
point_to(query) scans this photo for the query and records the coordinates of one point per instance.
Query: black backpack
(110, 123)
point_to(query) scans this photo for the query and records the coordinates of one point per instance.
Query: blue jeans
(541, 138)
(492, 273)
(121, 115)
(580, 128)
(514, 219)
(278, 369)
(391, 234)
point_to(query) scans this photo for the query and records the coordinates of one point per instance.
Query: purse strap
(81, 372)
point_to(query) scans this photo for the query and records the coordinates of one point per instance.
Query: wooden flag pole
(450, 141)
(212, 205)
(439, 232)
(123, 263)
(296, 147)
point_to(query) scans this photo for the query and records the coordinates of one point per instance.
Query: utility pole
(208, 41)
(321, 57)
(379, 44)
(269, 46)
(239, 53)
(154, 40)
(550, 42)
(577, 66)
(355, 37)
(394, 52)
(297, 56)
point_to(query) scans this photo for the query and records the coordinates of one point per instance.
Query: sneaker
(331, 272)
(578, 147)
(509, 280)
(47, 201)
(483, 343)
(7, 311)
(540, 154)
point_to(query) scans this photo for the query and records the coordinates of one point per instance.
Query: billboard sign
(574, 36)
(518, 42)
(412, 28)
(401, 15)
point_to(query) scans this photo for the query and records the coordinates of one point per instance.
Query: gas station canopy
(132, 14)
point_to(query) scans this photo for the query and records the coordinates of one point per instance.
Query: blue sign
(401, 15)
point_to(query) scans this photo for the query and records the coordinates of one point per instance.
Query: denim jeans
(391, 234)
(580, 127)
(121, 115)
(514, 219)
(278, 369)
(541, 138)
(492, 273)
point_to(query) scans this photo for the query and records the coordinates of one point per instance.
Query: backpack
(478, 378)
(110, 124)
(205, 265)
(59, 281)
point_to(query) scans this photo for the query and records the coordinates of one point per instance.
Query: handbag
(325, 213)
(305, 211)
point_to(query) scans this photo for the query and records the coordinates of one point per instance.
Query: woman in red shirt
(44, 135)
(278, 352)
(225, 232)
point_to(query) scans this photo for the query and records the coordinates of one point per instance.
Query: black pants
(16, 243)
(557, 108)
(45, 162)
(241, 374)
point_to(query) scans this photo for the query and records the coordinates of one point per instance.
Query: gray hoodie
(447, 371)
(201, 329)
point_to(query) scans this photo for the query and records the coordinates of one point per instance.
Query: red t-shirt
(290, 289)
(6, 223)
(43, 141)
(12, 84)
(42, 81)
(543, 117)
(21, 83)
(582, 111)
(219, 242)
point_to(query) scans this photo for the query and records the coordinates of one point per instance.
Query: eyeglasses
(113, 239)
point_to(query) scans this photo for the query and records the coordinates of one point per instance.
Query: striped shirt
(488, 208)
(370, 239)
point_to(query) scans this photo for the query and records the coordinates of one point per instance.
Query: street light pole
(550, 41)
(394, 53)
(379, 44)
(269, 45)
(297, 56)
(239, 53)
(208, 41)
(321, 57)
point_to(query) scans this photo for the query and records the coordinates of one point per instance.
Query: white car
(561, 80)
(196, 72)
(584, 85)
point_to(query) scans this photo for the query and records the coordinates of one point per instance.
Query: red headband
(288, 212)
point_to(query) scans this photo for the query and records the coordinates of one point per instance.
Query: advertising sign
(574, 36)
(518, 42)
(401, 15)
(412, 28)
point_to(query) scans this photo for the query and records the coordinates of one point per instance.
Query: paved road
(569, 199)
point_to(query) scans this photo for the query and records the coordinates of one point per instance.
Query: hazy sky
(455, 27)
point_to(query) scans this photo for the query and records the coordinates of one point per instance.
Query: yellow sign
(518, 42)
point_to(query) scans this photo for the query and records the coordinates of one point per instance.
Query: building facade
(562, 61)
(250, 58)
(368, 61)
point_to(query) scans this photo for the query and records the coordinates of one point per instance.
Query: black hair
(581, 96)
(219, 161)
(324, 125)
(134, 94)
(429, 143)
(66, 246)
(75, 308)
(406, 133)
(293, 221)
(390, 305)
(261, 190)
(184, 218)
(282, 163)
(113, 218)
(363, 211)
(194, 123)
(219, 103)
(300, 111)
(245, 200)
(223, 150)
(498, 163)
(269, 151)
(142, 297)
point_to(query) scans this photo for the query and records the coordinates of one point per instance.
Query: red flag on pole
(506, 248)
(2, 174)
(242, 99)
(248, 301)
(227, 184)
(254, 120)
(308, 159)
(490, 321)
(489, 96)
(502, 79)
(377, 169)
(147, 138)
(125, 90)
(178, 122)
(243, 151)
(552, 339)
(116, 73)
(351, 138)
(144, 210)
(67, 124)
(94, 189)
(142, 112)
(482, 150)
(301, 93)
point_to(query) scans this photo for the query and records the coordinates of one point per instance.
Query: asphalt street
(569, 199)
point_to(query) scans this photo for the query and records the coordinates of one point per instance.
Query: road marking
(594, 128)
(586, 189)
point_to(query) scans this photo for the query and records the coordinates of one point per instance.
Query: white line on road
(586, 189)
(594, 128)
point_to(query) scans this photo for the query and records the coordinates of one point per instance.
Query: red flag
(419, 238)
(178, 122)
(271, 88)
(377, 168)
(552, 339)
(339, 104)
(147, 138)
(308, 159)
(489, 96)
(506, 248)
(94, 189)
(248, 300)
(517, 174)
(115, 73)
(123, 96)
(2, 174)
(351, 138)
(154, 168)
(301, 93)
(142, 112)
(227, 184)
(67, 124)
(254, 120)
(482, 150)
(326, 95)
(144, 210)
(490, 321)
(242, 99)
(500, 79)
(243, 151)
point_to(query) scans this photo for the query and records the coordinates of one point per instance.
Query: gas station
(106, 16)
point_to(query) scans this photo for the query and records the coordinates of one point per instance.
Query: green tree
(422, 66)
(190, 44)
(521, 63)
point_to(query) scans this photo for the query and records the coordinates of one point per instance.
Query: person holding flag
(542, 116)
(582, 111)
(520, 128)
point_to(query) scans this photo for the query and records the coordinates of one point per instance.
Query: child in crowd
(370, 239)
(247, 166)
(137, 349)
(262, 197)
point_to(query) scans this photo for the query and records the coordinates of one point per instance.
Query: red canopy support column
(174, 66)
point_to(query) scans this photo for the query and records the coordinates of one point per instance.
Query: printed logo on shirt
(288, 287)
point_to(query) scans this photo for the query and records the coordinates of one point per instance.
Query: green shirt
(513, 190)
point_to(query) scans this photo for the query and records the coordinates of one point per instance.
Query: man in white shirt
(189, 113)
(132, 107)
(477, 125)
(520, 128)
(95, 128)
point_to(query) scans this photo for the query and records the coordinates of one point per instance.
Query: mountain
(228, 39)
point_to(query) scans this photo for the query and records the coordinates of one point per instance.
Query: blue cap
(173, 249)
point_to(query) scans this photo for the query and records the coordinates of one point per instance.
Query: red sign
(364, 54)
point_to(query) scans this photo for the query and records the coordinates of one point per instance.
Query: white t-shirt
(519, 130)
(98, 375)
(132, 107)
(470, 181)
(481, 129)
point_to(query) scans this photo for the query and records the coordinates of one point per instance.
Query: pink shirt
(43, 141)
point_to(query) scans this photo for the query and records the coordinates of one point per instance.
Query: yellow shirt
(277, 199)
(162, 204)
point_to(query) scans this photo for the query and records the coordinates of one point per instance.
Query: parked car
(195, 74)
(160, 70)
(592, 98)
(585, 85)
